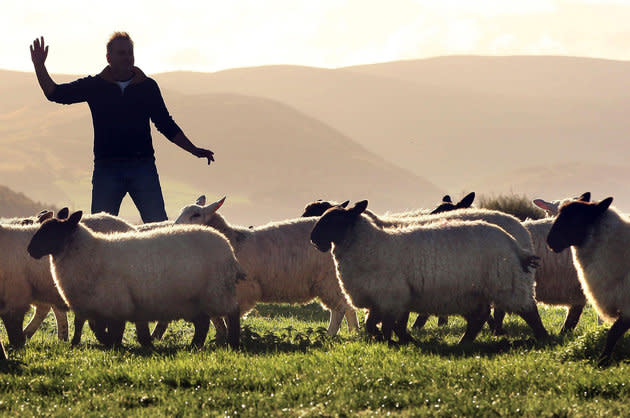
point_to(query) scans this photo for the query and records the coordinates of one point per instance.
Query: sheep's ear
(604, 204)
(213, 207)
(447, 199)
(44, 216)
(359, 207)
(43, 211)
(75, 218)
(344, 204)
(201, 200)
(63, 213)
(466, 201)
(543, 204)
(585, 197)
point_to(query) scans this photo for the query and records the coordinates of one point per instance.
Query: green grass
(289, 367)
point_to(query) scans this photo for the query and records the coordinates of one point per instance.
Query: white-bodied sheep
(23, 281)
(169, 273)
(556, 278)
(40, 272)
(281, 265)
(395, 220)
(508, 222)
(599, 237)
(451, 267)
(41, 309)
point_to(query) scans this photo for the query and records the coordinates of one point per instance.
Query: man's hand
(39, 52)
(205, 153)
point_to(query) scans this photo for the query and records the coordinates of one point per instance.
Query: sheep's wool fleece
(442, 268)
(603, 265)
(164, 274)
(556, 278)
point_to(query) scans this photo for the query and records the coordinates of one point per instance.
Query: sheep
(169, 273)
(599, 237)
(452, 267)
(281, 265)
(318, 207)
(508, 222)
(24, 281)
(100, 222)
(556, 278)
(42, 309)
(105, 223)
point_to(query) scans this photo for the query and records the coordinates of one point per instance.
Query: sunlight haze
(213, 35)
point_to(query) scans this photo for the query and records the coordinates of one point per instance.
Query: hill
(13, 204)
(270, 159)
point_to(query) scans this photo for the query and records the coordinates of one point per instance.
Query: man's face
(120, 56)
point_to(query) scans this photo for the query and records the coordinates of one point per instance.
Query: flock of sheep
(454, 260)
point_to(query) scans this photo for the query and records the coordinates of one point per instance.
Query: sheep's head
(573, 223)
(334, 224)
(448, 205)
(199, 213)
(318, 207)
(53, 235)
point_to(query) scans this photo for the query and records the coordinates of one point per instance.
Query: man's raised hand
(39, 51)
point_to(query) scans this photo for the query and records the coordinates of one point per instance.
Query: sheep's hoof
(604, 361)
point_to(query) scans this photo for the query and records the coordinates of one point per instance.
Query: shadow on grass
(14, 367)
(312, 312)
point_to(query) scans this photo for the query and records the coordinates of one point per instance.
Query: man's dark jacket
(120, 119)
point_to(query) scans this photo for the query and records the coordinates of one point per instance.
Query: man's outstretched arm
(39, 52)
(183, 142)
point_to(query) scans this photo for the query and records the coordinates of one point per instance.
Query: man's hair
(115, 36)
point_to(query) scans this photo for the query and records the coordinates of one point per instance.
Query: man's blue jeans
(112, 180)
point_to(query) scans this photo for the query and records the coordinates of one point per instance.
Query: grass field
(288, 367)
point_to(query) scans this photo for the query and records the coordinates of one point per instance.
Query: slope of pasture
(287, 366)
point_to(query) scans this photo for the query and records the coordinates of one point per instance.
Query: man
(122, 100)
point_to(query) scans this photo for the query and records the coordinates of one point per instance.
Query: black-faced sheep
(599, 237)
(169, 273)
(452, 267)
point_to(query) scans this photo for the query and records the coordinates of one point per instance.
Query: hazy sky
(214, 35)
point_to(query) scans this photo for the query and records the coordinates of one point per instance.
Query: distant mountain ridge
(15, 204)
(450, 123)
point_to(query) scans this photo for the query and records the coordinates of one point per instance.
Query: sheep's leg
(496, 324)
(13, 323)
(41, 310)
(388, 327)
(143, 334)
(420, 321)
(219, 328)
(533, 320)
(99, 328)
(351, 319)
(159, 330)
(234, 329)
(115, 331)
(3, 353)
(573, 316)
(619, 328)
(474, 322)
(442, 321)
(202, 325)
(373, 318)
(78, 330)
(61, 317)
(400, 328)
(336, 316)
